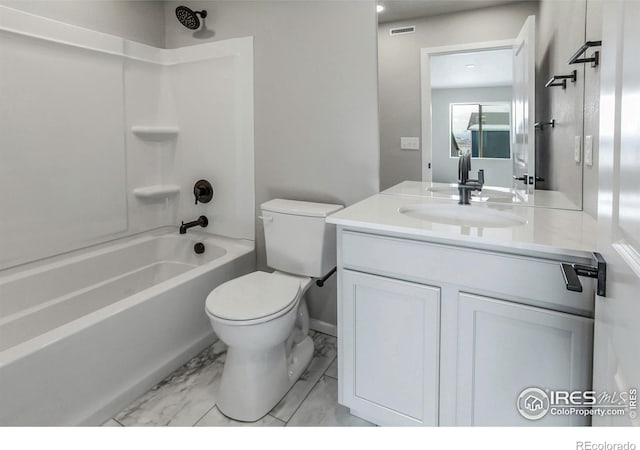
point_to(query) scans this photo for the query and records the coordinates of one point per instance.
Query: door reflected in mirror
(467, 96)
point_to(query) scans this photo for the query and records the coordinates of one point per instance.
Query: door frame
(425, 94)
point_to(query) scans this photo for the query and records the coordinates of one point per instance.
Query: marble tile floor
(187, 397)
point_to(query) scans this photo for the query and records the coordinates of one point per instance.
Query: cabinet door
(390, 342)
(504, 348)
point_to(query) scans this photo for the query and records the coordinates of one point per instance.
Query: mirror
(468, 76)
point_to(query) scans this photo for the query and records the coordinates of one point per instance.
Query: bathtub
(83, 334)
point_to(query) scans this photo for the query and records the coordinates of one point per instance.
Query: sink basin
(486, 192)
(463, 215)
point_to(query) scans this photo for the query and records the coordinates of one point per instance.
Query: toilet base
(300, 359)
(253, 382)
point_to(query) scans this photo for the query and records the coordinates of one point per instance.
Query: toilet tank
(297, 238)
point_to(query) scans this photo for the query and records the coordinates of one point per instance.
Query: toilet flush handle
(266, 218)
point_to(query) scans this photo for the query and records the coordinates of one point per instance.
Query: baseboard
(324, 327)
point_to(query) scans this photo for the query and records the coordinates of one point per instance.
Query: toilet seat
(255, 297)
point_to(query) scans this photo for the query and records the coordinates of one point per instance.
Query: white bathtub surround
(177, 399)
(99, 296)
(123, 132)
(72, 347)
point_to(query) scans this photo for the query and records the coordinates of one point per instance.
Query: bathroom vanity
(446, 313)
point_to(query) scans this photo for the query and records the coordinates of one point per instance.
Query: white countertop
(546, 231)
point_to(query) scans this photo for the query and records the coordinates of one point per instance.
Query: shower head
(189, 18)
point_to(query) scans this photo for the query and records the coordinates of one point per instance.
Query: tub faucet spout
(201, 221)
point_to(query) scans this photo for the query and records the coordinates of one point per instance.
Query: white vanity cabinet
(390, 359)
(435, 334)
(504, 347)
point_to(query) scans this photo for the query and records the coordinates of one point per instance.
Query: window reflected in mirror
(481, 129)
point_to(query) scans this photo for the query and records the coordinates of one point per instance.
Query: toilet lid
(252, 296)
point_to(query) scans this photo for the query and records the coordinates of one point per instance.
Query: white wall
(316, 110)
(498, 172)
(399, 72)
(140, 21)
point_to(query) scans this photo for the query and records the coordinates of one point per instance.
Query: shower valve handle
(203, 191)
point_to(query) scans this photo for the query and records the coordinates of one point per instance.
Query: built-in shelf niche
(155, 133)
(156, 192)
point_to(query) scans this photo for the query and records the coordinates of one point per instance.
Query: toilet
(263, 317)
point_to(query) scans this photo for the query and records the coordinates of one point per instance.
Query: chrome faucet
(202, 221)
(465, 184)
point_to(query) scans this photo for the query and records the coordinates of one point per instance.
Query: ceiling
(395, 10)
(491, 68)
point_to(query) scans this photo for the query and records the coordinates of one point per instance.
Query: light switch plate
(588, 150)
(410, 143)
(577, 148)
